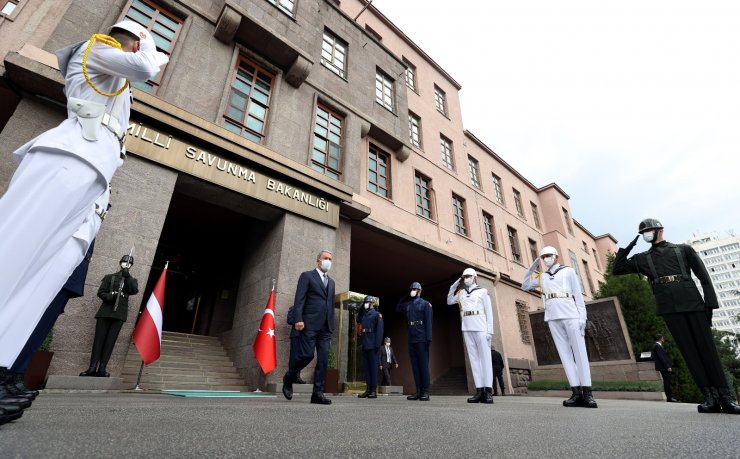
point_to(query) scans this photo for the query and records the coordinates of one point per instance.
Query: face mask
(125, 266)
(648, 236)
(549, 261)
(367, 305)
(468, 281)
(325, 265)
(413, 293)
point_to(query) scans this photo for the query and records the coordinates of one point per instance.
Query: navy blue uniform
(418, 313)
(371, 340)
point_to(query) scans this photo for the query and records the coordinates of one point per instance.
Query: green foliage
(638, 309)
(726, 343)
(46, 345)
(619, 386)
(332, 357)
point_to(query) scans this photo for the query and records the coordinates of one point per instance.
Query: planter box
(35, 376)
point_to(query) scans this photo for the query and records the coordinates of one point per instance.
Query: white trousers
(571, 347)
(48, 199)
(479, 354)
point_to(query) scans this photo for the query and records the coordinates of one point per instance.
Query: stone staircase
(453, 382)
(187, 362)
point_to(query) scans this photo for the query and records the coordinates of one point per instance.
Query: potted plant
(331, 384)
(35, 376)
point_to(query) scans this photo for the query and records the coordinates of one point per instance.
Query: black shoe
(711, 404)
(727, 401)
(372, 393)
(487, 395)
(415, 396)
(318, 398)
(101, 373)
(90, 372)
(478, 397)
(299, 380)
(588, 397)
(672, 400)
(364, 394)
(575, 399)
(287, 388)
(21, 386)
(424, 395)
(10, 413)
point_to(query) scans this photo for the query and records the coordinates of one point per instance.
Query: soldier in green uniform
(114, 291)
(688, 316)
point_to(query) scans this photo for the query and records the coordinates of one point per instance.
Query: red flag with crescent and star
(264, 343)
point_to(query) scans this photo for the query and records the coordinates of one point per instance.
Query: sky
(632, 107)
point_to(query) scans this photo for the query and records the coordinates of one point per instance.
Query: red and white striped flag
(148, 333)
(264, 343)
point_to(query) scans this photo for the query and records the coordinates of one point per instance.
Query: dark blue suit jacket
(314, 304)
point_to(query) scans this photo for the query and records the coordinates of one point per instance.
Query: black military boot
(478, 397)
(102, 373)
(575, 399)
(372, 393)
(710, 405)
(364, 394)
(727, 401)
(588, 397)
(92, 371)
(502, 392)
(21, 385)
(424, 395)
(10, 413)
(487, 395)
(7, 396)
(415, 396)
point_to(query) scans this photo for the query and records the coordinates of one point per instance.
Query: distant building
(721, 256)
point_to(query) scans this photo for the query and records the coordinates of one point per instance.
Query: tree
(726, 343)
(638, 308)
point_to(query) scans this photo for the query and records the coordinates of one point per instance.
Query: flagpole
(138, 378)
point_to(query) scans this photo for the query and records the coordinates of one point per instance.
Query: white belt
(550, 296)
(113, 126)
(472, 313)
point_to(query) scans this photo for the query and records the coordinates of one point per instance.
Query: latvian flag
(148, 333)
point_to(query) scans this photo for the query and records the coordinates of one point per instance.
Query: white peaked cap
(145, 37)
(549, 251)
(469, 272)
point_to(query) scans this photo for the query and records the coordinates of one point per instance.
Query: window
(535, 215)
(474, 172)
(518, 202)
(249, 101)
(458, 211)
(164, 28)
(410, 75)
(334, 54)
(379, 172)
(533, 249)
(489, 230)
(567, 221)
(423, 187)
(499, 189)
(415, 130)
(585, 246)
(446, 147)
(9, 7)
(596, 257)
(588, 277)
(373, 33)
(522, 314)
(440, 100)
(286, 6)
(574, 265)
(328, 138)
(384, 94)
(516, 253)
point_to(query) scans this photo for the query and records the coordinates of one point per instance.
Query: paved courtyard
(126, 425)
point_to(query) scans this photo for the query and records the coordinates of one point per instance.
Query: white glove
(535, 265)
(457, 282)
(582, 326)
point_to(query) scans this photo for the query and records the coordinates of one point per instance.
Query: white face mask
(125, 266)
(325, 265)
(367, 305)
(468, 281)
(413, 293)
(549, 261)
(648, 236)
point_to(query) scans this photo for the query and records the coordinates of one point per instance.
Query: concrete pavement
(84, 425)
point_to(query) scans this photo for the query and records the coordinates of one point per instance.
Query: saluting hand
(632, 244)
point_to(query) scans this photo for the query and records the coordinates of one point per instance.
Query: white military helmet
(469, 272)
(549, 250)
(145, 37)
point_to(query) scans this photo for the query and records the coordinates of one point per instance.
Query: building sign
(234, 174)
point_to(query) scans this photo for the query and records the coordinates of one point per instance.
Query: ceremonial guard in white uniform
(476, 315)
(64, 171)
(565, 314)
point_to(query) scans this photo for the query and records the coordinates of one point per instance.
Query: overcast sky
(632, 107)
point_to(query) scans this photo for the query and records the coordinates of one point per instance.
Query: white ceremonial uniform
(60, 176)
(476, 315)
(565, 314)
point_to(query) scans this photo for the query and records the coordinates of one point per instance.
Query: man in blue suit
(313, 311)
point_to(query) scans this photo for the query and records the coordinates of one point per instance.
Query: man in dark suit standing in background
(664, 365)
(498, 370)
(313, 311)
(387, 361)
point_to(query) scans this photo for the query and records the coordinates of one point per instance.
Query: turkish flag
(264, 343)
(148, 332)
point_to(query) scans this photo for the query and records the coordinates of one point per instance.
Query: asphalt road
(157, 426)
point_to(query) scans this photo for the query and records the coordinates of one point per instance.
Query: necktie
(388, 353)
(326, 279)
